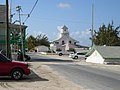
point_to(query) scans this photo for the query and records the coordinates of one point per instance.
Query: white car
(63, 53)
(71, 55)
(78, 55)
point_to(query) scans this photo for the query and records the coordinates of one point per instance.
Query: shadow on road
(50, 60)
(33, 77)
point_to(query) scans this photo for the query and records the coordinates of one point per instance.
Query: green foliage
(107, 36)
(71, 50)
(42, 40)
(37, 41)
(14, 38)
(31, 42)
(58, 49)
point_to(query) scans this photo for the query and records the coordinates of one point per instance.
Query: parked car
(3, 51)
(71, 55)
(78, 55)
(15, 69)
(63, 53)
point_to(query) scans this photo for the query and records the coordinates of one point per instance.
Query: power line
(33, 7)
(31, 11)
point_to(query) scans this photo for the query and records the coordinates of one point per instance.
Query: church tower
(64, 31)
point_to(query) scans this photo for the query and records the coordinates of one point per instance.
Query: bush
(49, 52)
(71, 50)
(58, 49)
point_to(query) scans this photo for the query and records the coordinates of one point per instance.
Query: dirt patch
(41, 78)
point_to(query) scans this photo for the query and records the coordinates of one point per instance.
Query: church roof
(65, 35)
(68, 38)
(64, 27)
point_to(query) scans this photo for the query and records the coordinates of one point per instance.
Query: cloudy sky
(48, 15)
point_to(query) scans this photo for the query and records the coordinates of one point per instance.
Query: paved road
(42, 58)
(88, 77)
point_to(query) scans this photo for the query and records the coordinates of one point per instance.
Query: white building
(41, 48)
(64, 42)
(104, 54)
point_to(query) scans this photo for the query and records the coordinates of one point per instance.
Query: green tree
(31, 42)
(42, 40)
(108, 36)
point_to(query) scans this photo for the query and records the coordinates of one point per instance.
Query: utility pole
(10, 11)
(7, 32)
(21, 32)
(92, 31)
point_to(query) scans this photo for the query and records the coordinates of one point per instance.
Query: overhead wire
(31, 11)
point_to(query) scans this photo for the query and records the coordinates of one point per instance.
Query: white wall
(95, 57)
(42, 49)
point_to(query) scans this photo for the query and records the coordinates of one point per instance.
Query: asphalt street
(84, 75)
(89, 78)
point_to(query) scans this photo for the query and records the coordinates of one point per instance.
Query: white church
(64, 42)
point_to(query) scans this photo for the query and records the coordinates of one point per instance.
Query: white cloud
(64, 5)
(82, 36)
(85, 33)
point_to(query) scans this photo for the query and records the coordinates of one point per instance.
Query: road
(86, 76)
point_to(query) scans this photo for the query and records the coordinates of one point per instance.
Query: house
(17, 34)
(14, 31)
(104, 54)
(64, 42)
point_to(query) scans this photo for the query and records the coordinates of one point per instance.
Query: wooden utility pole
(7, 32)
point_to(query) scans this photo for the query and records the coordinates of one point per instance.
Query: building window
(74, 43)
(63, 42)
(56, 42)
(70, 42)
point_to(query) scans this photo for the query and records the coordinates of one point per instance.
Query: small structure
(42, 49)
(104, 54)
(64, 42)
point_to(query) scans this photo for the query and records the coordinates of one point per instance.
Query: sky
(49, 15)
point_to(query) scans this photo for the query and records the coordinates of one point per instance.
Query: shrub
(58, 49)
(71, 50)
